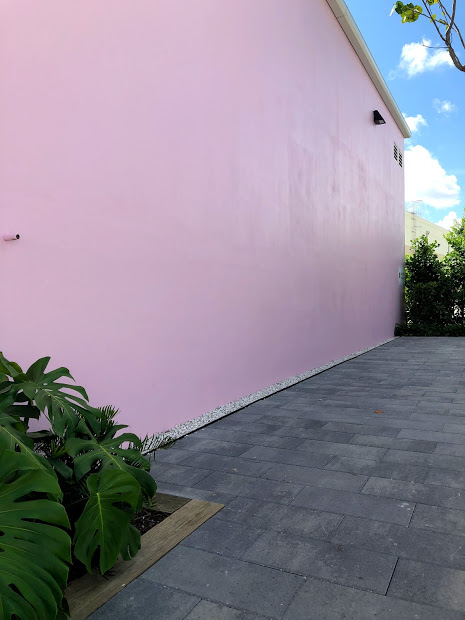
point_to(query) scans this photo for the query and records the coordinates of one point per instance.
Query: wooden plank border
(87, 594)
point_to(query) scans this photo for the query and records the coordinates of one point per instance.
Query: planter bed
(183, 516)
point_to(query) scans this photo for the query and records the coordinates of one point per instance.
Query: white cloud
(444, 107)
(416, 58)
(448, 220)
(426, 179)
(415, 122)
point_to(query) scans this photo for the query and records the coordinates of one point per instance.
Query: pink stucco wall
(204, 203)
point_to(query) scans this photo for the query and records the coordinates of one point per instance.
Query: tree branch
(433, 47)
(453, 25)
(453, 55)
(451, 22)
(434, 21)
(448, 34)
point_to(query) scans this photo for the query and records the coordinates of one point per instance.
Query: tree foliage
(443, 20)
(434, 288)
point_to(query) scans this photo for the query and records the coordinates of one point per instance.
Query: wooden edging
(87, 594)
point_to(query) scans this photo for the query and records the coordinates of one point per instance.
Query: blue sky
(423, 83)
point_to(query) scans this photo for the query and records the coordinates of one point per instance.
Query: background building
(415, 226)
(188, 179)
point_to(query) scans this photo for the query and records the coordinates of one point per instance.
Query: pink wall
(205, 205)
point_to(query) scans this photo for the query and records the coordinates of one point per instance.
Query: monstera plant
(68, 494)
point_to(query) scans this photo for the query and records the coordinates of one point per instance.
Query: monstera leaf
(34, 550)
(11, 439)
(58, 401)
(109, 454)
(104, 524)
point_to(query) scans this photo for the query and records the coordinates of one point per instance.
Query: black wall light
(379, 120)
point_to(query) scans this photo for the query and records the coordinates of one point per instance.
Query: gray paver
(450, 449)
(432, 436)
(446, 477)
(429, 584)
(229, 464)
(191, 493)
(319, 435)
(139, 599)
(410, 445)
(289, 470)
(330, 414)
(415, 492)
(232, 582)
(316, 477)
(361, 429)
(435, 399)
(440, 519)
(178, 474)
(197, 443)
(408, 425)
(223, 537)
(341, 564)
(386, 412)
(253, 439)
(435, 408)
(425, 460)
(295, 422)
(337, 449)
(354, 504)
(251, 426)
(246, 415)
(291, 519)
(171, 455)
(328, 601)
(456, 409)
(281, 492)
(381, 469)
(446, 419)
(406, 542)
(205, 610)
(287, 457)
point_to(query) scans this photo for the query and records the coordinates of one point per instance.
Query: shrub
(435, 289)
(68, 495)
(429, 330)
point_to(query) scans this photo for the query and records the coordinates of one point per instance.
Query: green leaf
(61, 468)
(131, 543)
(37, 369)
(34, 550)
(103, 524)
(8, 396)
(59, 406)
(61, 402)
(23, 411)
(9, 368)
(13, 439)
(109, 452)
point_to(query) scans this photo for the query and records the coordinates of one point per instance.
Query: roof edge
(347, 23)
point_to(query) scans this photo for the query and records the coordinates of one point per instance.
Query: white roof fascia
(347, 23)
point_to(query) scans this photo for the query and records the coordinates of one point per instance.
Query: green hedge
(435, 289)
(429, 330)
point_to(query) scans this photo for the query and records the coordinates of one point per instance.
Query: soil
(144, 521)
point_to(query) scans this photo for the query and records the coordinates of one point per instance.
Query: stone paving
(345, 498)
